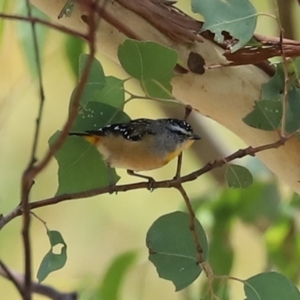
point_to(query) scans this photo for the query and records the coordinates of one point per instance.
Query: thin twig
(92, 22)
(26, 180)
(38, 288)
(188, 111)
(7, 273)
(149, 98)
(199, 249)
(32, 170)
(251, 151)
(192, 226)
(286, 85)
(244, 282)
(40, 219)
(45, 23)
(75, 104)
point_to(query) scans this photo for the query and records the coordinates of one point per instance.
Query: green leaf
(259, 205)
(115, 275)
(112, 93)
(266, 115)
(151, 63)
(96, 74)
(220, 248)
(273, 89)
(172, 248)
(283, 245)
(55, 238)
(238, 177)
(81, 166)
(52, 261)
(95, 115)
(293, 66)
(109, 90)
(25, 35)
(270, 285)
(73, 47)
(293, 111)
(221, 254)
(295, 201)
(237, 17)
(94, 84)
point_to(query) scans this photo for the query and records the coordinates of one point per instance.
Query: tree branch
(226, 95)
(173, 183)
(43, 22)
(27, 181)
(41, 289)
(34, 168)
(7, 273)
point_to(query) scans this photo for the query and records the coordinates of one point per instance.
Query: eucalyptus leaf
(293, 111)
(238, 176)
(115, 275)
(270, 285)
(25, 35)
(81, 166)
(273, 89)
(151, 63)
(172, 248)
(73, 47)
(53, 261)
(96, 74)
(266, 115)
(113, 92)
(237, 17)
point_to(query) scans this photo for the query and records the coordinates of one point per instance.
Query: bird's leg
(112, 183)
(178, 169)
(151, 181)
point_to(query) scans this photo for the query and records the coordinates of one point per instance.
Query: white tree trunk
(225, 94)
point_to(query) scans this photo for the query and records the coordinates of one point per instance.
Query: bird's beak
(195, 136)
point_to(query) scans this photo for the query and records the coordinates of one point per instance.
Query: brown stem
(251, 151)
(38, 288)
(192, 226)
(45, 23)
(26, 179)
(33, 169)
(7, 273)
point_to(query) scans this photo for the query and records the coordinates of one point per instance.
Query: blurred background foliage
(249, 231)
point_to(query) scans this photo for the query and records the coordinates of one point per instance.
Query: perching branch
(173, 183)
(7, 273)
(226, 95)
(37, 288)
(90, 18)
(48, 24)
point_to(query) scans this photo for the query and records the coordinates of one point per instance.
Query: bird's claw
(112, 189)
(151, 183)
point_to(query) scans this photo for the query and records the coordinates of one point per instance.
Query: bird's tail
(79, 133)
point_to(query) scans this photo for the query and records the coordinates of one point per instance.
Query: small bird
(141, 144)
